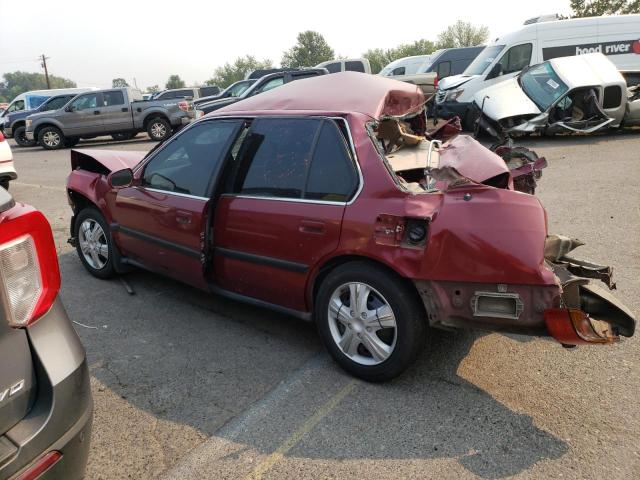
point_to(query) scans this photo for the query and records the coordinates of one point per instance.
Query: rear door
(281, 211)
(115, 111)
(160, 220)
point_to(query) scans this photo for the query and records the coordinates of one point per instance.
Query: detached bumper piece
(590, 314)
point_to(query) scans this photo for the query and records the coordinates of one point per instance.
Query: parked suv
(14, 123)
(115, 111)
(45, 396)
(263, 84)
(312, 199)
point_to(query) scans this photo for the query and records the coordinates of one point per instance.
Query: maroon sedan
(326, 199)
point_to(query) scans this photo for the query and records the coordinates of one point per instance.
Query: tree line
(311, 48)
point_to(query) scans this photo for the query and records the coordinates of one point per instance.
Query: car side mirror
(121, 178)
(496, 71)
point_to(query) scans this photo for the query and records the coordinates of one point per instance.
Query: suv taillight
(29, 272)
(1, 137)
(184, 106)
(435, 81)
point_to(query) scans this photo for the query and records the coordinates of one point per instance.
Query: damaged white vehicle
(583, 93)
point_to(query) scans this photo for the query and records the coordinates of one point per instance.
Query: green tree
(232, 72)
(119, 83)
(379, 58)
(18, 82)
(310, 49)
(153, 89)
(174, 82)
(596, 8)
(462, 34)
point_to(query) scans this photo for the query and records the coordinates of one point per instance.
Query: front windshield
(483, 61)
(542, 85)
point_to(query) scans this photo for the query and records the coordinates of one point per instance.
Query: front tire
(51, 138)
(93, 243)
(158, 129)
(370, 320)
(19, 135)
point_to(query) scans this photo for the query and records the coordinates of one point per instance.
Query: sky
(146, 41)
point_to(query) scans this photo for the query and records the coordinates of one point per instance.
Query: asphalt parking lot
(189, 385)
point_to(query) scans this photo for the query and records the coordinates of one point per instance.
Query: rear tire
(377, 337)
(94, 243)
(51, 138)
(19, 135)
(158, 129)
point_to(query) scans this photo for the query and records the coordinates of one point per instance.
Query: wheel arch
(330, 264)
(154, 114)
(38, 128)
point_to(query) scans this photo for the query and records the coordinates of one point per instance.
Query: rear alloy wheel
(372, 323)
(51, 138)
(20, 136)
(93, 243)
(158, 129)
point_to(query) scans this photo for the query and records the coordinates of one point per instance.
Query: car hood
(505, 99)
(454, 81)
(104, 161)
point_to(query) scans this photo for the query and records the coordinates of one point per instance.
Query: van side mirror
(496, 71)
(120, 178)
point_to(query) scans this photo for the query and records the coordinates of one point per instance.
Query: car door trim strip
(189, 252)
(262, 260)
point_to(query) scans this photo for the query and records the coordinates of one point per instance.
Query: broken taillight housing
(29, 272)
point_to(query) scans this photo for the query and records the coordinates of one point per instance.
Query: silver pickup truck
(119, 112)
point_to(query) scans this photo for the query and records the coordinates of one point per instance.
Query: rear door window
(113, 98)
(334, 67)
(295, 158)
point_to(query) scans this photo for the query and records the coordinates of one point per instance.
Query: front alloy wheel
(362, 323)
(93, 244)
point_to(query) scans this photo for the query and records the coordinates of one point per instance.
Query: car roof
(586, 70)
(371, 95)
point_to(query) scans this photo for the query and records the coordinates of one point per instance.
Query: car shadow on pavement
(201, 360)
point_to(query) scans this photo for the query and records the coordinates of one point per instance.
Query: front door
(84, 117)
(281, 211)
(161, 219)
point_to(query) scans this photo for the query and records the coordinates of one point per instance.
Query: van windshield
(34, 101)
(542, 85)
(483, 61)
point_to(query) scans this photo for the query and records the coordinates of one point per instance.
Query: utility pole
(46, 72)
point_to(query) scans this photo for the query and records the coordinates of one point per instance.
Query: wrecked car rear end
(486, 259)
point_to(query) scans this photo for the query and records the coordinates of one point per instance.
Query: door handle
(183, 218)
(125, 109)
(312, 226)
(96, 112)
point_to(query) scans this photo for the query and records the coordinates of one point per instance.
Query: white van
(34, 98)
(617, 36)
(407, 66)
(346, 65)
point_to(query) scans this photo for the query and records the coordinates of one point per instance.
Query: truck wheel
(94, 243)
(51, 138)
(372, 323)
(19, 135)
(158, 129)
(123, 136)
